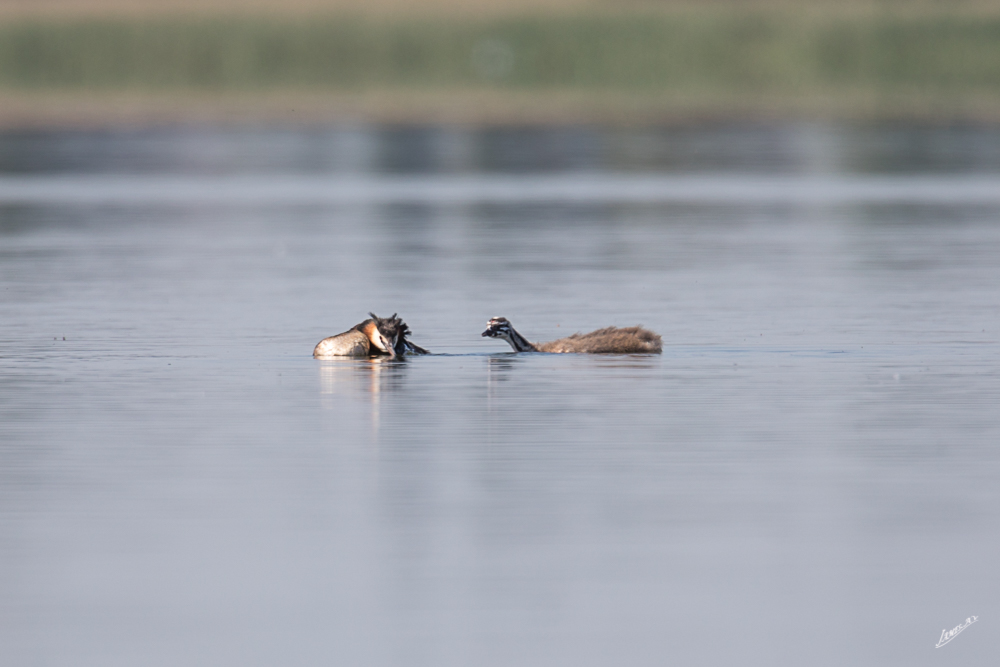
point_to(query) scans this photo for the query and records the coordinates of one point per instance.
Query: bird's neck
(519, 342)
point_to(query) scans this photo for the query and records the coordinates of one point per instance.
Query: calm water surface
(808, 475)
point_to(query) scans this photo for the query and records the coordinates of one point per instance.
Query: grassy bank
(711, 59)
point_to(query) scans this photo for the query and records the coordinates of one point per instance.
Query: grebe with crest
(376, 335)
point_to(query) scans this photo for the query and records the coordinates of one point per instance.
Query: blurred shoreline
(85, 110)
(103, 63)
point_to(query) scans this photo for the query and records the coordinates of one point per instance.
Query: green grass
(687, 53)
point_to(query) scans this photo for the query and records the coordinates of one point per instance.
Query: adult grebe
(361, 340)
(376, 335)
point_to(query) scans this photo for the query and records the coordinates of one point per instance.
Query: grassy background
(712, 60)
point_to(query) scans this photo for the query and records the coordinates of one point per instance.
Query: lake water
(808, 475)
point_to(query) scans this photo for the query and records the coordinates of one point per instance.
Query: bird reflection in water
(626, 361)
(498, 369)
(368, 378)
(499, 365)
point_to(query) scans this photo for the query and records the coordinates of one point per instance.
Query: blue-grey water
(808, 475)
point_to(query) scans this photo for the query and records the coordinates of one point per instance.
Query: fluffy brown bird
(610, 340)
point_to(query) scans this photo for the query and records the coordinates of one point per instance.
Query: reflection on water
(351, 377)
(347, 379)
(807, 474)
(499, 365)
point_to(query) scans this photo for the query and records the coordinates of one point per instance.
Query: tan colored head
(379, 339)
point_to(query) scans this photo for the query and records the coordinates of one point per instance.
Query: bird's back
(610, 340)
(351, 343)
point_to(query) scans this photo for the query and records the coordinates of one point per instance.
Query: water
(808, 474)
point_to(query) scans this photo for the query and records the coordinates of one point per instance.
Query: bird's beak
(486, 333)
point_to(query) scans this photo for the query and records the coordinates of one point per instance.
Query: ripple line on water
(571, 188)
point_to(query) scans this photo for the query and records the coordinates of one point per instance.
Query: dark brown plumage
(395, 329)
